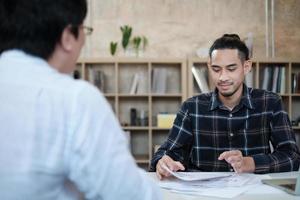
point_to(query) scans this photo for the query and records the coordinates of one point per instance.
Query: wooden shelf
(295, 95)
(109, 95)
(166, 95)
(133, 95)
(140, 128)
(119, 74)
(160, 129)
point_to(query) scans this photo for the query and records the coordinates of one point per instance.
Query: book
(159, 80)
(294, 82)
(267, 78)
(282, 81)
(134, 84)
(270, 81)
(275, 79)
(99, 80)
(200, 76)
(142, 83)
(91, 75)
(165, 120)
(298, 83)
(279, 79)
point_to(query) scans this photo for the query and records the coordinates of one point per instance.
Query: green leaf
(126, 34)
(113, 48)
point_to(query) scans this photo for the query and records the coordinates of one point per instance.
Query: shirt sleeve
(285, 156)
(98, 157)
(178, 140)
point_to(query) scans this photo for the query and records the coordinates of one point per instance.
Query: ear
(247, 66)
(67, 40)
(209, 62)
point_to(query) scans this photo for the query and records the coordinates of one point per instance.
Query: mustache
(225, 83)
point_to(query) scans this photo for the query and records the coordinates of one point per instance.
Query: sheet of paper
(186, 176)
(226, 187)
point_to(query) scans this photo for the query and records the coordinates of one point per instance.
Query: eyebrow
(230, 65)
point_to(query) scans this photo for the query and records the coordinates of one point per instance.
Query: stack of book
(274, 78)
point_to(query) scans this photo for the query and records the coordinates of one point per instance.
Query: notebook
(289, 185)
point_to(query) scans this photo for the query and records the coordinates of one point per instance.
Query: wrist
(249, 164)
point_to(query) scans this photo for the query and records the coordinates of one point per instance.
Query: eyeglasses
(87, 30)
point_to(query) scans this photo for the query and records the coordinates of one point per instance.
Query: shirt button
(231, 134)
(230, 115)
(231, 170)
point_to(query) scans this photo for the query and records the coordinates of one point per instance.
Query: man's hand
(168, 162)
(239, 163)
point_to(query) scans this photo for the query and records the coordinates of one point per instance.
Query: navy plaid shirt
(204, 128)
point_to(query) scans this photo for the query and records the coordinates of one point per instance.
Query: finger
(236, 152)
(172, 165)
(222, 155)
(237, 166)
(234, 159)
(226, 154)
(164, 171)
(178, 166)
(161, 169)
(238, 169)
(158, 175)
(167, 159)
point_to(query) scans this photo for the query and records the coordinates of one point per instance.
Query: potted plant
(136, 44)
(126, 34)
(113, 48)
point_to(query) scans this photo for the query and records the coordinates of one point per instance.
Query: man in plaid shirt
(231, 128)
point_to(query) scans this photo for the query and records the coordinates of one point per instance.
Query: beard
(230, 93)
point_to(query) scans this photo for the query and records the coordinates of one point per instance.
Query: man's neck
(231, 101)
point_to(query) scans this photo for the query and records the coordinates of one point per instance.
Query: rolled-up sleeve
(285, 156)
(179, 136)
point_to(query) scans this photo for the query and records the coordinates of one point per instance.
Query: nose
(223, 76)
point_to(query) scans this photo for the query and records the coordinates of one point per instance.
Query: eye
(231, 69)
(215, 69)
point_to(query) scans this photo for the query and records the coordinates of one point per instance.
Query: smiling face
(227, 72)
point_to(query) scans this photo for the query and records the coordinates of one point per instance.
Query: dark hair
(35, 26)
(231, 41)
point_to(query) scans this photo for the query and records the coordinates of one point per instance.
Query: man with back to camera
(229, 129)
(55, 129)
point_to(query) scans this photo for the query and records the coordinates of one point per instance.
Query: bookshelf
(179, 85)
(118, 80)
(291, 98)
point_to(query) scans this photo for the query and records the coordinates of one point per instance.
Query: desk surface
(250, 195)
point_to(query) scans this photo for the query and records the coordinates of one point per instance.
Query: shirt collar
(245, 100)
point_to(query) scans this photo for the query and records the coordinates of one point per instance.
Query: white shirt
(54, 129)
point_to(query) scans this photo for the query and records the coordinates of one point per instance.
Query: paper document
(187, 176)
(229, 184)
